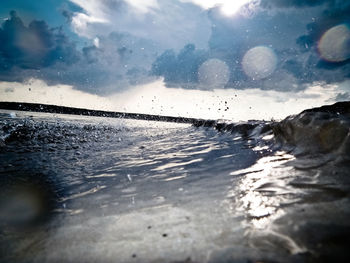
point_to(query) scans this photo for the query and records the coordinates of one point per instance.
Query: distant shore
(339, 107)
(37, 107)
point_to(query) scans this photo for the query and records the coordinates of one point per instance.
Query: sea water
(93, 189)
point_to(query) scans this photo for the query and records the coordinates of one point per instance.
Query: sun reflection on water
(263, 194)
(262, 189)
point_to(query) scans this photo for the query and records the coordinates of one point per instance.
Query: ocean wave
(55, 134)
(257, 190)
(321, 130)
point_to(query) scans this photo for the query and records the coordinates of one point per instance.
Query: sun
(230, 7)
(227, 7)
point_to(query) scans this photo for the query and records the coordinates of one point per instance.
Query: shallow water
(90, 189)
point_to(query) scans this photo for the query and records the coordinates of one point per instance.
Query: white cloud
(96, 42)
(93, 10)
(230, 104)
(81, 22)
(171, 24)
(37, 91)
(155, 98)
(143, 6)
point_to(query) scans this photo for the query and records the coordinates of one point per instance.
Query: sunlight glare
(227, 7)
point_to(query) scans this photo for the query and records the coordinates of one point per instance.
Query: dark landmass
(35, 107)
(342, 107)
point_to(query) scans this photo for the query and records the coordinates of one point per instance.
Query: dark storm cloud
(120, 60)
(282, 30)
(38, 51)
(322, 64)
(328, 18)
(302, 3)
(67, 10)
(297, 54)
(335, 14)
(181, 68)
(230, 39)
(345, 96)
(34, 51)
(292, 3)
(117, 60)
(67, 14)
(33, 46)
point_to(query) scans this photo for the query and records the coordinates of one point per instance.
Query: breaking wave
(314, 131)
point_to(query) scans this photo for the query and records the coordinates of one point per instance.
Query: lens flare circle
(213, 73)
(259, 62)
(334, 45)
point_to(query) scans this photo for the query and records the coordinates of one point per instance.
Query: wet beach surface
(92, 189)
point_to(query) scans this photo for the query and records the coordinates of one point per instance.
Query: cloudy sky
(205, 50)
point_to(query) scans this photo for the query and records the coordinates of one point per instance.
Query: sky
(177, 57)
